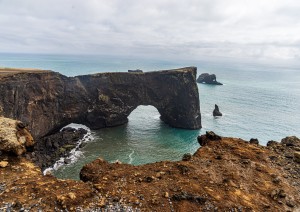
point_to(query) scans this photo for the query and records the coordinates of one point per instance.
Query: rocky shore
(225, 174)
(51, 148)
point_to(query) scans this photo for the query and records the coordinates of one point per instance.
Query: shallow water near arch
(144, 139)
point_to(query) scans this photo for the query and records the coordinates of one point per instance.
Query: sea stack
(216, 111)
(208, 79)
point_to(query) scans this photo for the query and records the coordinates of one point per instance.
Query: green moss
(68, 147)
(61, 150)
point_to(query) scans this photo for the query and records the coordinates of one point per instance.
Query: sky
(189, 29)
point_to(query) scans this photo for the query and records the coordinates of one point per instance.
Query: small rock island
(216, 111)
(207, 78)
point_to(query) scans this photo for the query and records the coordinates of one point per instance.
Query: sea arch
(47, 101)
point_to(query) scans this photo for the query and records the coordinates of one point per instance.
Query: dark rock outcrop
(136, 71)
(208, 79)
(216, 111)
(47, 101)
(187, 157)
(209, 136)
(51, 148)
(254, 141)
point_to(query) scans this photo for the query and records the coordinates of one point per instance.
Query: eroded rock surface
(14, 136)
(51, 148)
(47, 101)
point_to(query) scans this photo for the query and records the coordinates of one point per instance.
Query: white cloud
(157, 28)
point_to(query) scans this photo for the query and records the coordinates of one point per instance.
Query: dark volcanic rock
(51, 148)
(272, 143)
(209, 136)
(291, 141)
(137, 70)
(48, 100)
(216, 111)
(254, 141)
(208, 79)
(189, 197)
(187, 157)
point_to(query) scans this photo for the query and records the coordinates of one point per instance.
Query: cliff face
(47, 101)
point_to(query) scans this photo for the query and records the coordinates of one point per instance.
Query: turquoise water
(257, 101)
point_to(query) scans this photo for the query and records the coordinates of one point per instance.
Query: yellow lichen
(104, 98)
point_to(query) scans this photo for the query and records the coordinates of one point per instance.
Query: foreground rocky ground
(226, 174)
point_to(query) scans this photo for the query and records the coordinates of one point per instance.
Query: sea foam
(75, 153)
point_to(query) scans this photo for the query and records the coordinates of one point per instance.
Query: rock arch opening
(144, 117)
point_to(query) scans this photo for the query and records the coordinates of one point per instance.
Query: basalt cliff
(47, 101)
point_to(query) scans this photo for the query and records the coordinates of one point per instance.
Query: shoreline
(74, 154)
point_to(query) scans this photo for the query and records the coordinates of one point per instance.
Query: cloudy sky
(153, 28)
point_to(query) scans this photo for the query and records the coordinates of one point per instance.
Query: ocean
(258, 100)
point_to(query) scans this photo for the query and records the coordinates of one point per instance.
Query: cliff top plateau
(11, 71)
(225, 174)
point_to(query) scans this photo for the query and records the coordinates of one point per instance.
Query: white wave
(157, 117)
(130, 157)
(75, 153)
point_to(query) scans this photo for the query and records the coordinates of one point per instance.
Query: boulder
(254, 141)
(291, 141)
(187, 157)
(208, 79)
(272, 143)
(14, 136)
(216, 111)
(209, 136)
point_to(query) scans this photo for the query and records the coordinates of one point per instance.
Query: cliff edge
(225, 174)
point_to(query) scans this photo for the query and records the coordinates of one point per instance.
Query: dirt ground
(226, 174)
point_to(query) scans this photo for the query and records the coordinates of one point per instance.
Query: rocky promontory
(46, 101)
(225, 174)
